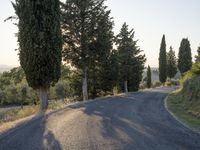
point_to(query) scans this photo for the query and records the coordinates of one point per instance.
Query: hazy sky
(151, 19)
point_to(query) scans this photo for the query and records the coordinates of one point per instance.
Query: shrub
(172, 82)
(156, 84)
(116, 90)
(143, 86)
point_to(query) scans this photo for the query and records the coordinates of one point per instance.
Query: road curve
(137, 121)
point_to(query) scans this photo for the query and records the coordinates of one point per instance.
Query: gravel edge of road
(177, 119)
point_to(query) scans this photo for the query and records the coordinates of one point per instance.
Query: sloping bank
(185, 102)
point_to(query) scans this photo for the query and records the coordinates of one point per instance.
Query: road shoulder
(181, 115)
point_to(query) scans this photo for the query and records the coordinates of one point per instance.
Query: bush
(116, 90)
(156, 84)
(168, 83)
(196, 68)
(143, 86)
(172, 83)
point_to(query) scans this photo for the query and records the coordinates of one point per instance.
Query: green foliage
(197, 57)
(184, 56)
(76, 83)
(163, 61)
(149, 77)
(63, 90)
(171, 63)
(116, 90)
(185, 103)
(2, 97)
(156, 84)
(172, 82)
(195, 71)
(190, 92)
(100, 75)
(22, 94)
(196, 68)
(186, 113)
(87, 33)
(60, 91)
(39, 40)
(77, 21)
(131, 61)
(88, 47)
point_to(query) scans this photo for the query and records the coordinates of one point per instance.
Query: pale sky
(151, 19)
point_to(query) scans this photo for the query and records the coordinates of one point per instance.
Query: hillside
(185, 103)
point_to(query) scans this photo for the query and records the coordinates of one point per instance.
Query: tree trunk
(94, 81)
(42, 94)
(21, 105)
(126, 86)
(84, 86)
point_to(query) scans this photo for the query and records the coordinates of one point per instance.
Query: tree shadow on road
(118, 122)
(31, 135)
(126, 124)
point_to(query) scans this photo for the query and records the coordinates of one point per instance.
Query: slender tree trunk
(42, 94)
(126, 86)
(94, 92)
(21, 105)
(94, 81)
(84, 86)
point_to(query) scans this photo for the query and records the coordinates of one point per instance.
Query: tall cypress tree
(131, 62)
(40, 43)
(78, 22)
(171, 63)
(149, 77)
(163, 61)
(184, 56)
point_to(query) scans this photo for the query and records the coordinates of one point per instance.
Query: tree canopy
(184, 56)
(149, 82)
(163, 61)
(171, 63)
(131, 61)
(40, 43)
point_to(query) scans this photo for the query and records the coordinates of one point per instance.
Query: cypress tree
(171, 63)
(197, 57)
(40, 44)
(163, 61)
(184, 56)
(149, 77)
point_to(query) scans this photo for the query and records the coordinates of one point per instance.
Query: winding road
(136, 121)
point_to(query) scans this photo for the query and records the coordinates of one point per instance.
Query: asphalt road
(137, 121)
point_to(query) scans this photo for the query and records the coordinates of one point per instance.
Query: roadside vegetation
(12, 116)
(185, 102)
(95, 69)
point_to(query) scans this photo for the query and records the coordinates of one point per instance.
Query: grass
(11, 117)
(185, 110)
(17, 113)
